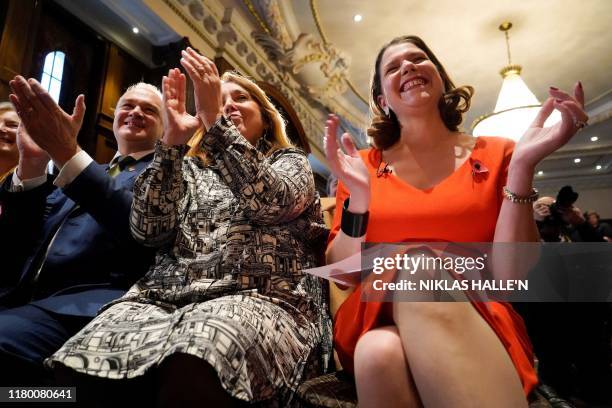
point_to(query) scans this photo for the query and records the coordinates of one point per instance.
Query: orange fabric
(462, 208)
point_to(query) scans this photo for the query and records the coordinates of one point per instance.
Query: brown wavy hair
(455, 101)
(275, 123)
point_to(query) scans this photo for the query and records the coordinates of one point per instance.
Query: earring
(386, 110)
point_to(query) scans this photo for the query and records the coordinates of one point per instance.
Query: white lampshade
(515, 110)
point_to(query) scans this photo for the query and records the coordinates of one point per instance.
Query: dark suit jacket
(89, 254)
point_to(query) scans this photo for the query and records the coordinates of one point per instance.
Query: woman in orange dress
(426, 181)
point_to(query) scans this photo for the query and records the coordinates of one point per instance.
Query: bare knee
(377, 350)
(382, 372)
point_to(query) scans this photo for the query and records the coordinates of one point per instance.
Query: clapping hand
(347, 167)
(538, 142)
(180, 125)
(207, 86)
(32, 159)
(49, 126)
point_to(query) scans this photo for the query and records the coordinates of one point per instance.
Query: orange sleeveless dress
(462, 208)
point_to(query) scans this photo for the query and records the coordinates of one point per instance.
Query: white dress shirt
(69, 171)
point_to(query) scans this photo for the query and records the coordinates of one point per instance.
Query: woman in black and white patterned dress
(226, 308)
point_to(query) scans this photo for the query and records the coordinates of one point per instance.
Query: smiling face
(138, 120)
(409, 79)
(9, 122)
(243, 110)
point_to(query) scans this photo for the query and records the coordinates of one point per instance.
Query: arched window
(52, 74)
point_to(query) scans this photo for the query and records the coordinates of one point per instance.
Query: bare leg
(187, 381)
(381, 371)
(455, 357)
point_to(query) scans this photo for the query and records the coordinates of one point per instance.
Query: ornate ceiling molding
(320, 68)
(273, 22)
(315, 16)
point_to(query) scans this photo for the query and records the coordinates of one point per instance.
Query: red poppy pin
(478, 167)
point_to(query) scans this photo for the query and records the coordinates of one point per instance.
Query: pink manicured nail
(580, 84)
(554, 89)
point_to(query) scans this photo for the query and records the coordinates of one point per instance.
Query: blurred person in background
(604, 229)
(570, 340)
(9, 155)
(559, 220)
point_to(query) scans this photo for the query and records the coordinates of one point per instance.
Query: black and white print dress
(227, 285)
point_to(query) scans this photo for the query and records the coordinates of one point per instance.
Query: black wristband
(353, 225)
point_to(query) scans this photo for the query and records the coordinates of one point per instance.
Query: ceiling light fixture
(577, 160)
(516, 105)
(540, 173)
(598, 167)
(594, 138)
(135, 30)
(357, 18)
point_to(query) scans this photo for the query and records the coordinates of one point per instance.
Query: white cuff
(72, 168)
(28, 184)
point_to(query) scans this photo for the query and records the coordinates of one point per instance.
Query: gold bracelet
(521, 199)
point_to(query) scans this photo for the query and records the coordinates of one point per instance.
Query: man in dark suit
(65, 242)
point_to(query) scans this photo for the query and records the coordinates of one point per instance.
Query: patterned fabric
(334, 390)
(227, 285)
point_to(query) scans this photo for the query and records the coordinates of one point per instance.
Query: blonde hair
(271, 117)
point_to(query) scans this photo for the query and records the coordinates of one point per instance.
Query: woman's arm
(342, 246)
(270, 190)
(353, 181)
(515, 222)
(158, 192)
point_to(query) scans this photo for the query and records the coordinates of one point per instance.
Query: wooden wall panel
(17, 40)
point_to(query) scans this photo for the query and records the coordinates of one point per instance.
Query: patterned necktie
(120, 164)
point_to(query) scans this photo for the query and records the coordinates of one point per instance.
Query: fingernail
(558, 100)
(580, 84)
(552, 88)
